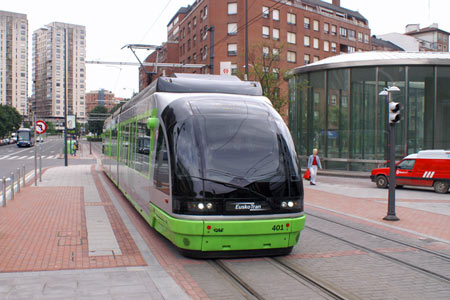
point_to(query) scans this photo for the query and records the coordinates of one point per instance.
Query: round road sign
(41, 127)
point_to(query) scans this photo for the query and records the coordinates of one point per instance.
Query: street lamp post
(391, 216)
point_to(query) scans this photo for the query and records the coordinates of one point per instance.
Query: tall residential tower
(59, 50)
(13, 60)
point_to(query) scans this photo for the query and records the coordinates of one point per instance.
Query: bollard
(12, 185)
(4, 191)
(18, 180)
(23, 181)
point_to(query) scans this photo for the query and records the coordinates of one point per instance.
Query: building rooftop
(340, 9)
(426, 29)
(182, 10)
(386, 44)
(375, 58)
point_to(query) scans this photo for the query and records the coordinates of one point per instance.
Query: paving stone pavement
(149, 281)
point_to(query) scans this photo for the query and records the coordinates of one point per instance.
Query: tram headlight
(284, 204)
(291, 204)
(201, 206)
(209, 206)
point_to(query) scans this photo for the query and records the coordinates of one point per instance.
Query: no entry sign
(41, 127)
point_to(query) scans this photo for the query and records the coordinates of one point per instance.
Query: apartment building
(298, 32)
(101, 97)
(59, 51)
(431, 38)
(13, 60)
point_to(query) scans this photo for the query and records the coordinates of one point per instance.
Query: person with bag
(313, 165)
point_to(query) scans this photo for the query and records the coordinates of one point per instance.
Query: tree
(96, 119)
(10, 120)
(264, 67)
(51, 130)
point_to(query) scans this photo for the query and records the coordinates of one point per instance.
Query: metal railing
(13, 183)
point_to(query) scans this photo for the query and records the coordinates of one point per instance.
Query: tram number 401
(277, 227)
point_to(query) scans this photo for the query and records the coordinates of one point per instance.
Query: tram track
(391, 258)
(309, 281)
(435, 253)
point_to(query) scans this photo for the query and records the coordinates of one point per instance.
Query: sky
(110, 25)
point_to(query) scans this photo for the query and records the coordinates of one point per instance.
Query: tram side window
(142, 147)
(114, 143)
(124, 143)
(161, 176)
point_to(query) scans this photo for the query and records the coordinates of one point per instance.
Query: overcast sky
(110, 25)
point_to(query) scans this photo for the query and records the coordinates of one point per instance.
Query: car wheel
(381, 181)
(440, 187)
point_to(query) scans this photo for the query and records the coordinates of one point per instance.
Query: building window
(366, 38)
(351, 49)
(343, 31)
(307, 41)
(232, 49)
(265, 52)
(360, 36)
(333, 47)
(316, 43)
(276, 34)
(232, 28)
(326, 27)
(205, 52)
(291, 56)
(333, 29)
(234, 69)
(306, 23)
(276, 72)
(291, 19)
(194, 40)
(316, 25)
(194, 21)
(316, 59)
(276, 15)
(265, 12)
(307, 59)
(326, 46)
(205, 12)
(265, 32)
(232, 8)
(291, 38)
(189, 27)
(276, 53)
(351, 34)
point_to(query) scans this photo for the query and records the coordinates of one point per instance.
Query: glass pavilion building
(334, 106)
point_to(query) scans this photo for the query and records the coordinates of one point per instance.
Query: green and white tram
(209, 164)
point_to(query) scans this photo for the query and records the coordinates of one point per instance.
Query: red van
(427, 168)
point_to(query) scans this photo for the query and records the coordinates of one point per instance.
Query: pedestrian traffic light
(394, 112)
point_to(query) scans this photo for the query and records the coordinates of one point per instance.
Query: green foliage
(265, 68)
(115, 108)
(10, 120)
(51, 130)
(96, 119)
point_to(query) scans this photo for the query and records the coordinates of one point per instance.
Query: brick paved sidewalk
(69, 224)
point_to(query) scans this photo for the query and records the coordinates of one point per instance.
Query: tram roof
(376, 58)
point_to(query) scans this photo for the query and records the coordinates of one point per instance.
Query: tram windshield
(23, 136)
(233, 156)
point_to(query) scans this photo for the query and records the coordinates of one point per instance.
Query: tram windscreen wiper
(232, 185)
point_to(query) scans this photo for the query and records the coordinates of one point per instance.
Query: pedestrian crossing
(26, 157)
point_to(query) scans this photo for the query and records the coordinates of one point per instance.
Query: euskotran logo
(251, 206)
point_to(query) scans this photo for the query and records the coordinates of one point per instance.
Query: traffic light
(394, 112)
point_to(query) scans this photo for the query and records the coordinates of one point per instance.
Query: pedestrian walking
(313, 165)
(74, 148)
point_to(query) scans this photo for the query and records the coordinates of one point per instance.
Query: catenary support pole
(24, 174)
(246, 39)
(35, 150)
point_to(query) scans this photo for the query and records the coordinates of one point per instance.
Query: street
(12, 157)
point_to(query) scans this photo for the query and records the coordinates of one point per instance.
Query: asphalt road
(12, 157)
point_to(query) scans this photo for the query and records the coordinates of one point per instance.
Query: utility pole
(65, 99)
(246, 39)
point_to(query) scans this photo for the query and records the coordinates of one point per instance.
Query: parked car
(429, 168)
